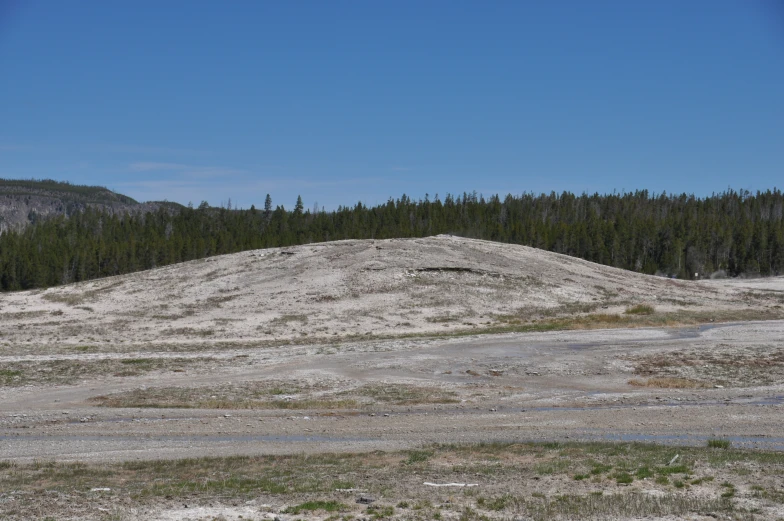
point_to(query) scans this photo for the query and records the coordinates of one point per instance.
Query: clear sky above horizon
(346, 101)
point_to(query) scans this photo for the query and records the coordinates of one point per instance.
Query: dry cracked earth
(438, 378)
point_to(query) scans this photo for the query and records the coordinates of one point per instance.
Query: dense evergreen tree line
(680, 235)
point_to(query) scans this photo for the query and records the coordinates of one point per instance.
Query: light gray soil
(536, 386)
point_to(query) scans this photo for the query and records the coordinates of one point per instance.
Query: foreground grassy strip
(537, 480)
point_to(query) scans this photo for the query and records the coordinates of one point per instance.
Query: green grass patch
(380, 511)
(312, 506)
(498, 503)
(600, 469)
(9, 375)
(418, 456)
(643, 472)
(719, 444)
(674, 469)
(640, 309)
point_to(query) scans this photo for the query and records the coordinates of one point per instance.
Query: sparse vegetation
(668, 383)
(725, 365)
(719, 444)
(640, 309)
(307, 483)
(418, 456)
(68, 371)
(273, 395)
(310, 506)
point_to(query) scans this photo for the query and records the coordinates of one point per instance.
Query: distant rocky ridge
(24, 202)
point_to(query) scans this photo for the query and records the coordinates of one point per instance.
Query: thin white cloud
(183, 170)
(157, 185)
(143, 149)
(308, 183)
(10, 147)
(206, 172)
(145, 166)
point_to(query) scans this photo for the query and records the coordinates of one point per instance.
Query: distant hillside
(24, 202)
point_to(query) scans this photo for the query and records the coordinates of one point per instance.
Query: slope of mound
(344, 289)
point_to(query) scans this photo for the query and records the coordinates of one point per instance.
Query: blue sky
(346, 101)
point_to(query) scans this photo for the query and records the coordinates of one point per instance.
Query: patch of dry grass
(640, 309)
(66, 372)
(669, 383)
(277, 395)
(522, 323)
(402, 395)
(178, 398)
(725, 364)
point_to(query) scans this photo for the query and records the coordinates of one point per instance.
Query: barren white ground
(342, 288)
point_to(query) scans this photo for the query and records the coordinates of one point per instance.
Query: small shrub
(418, 456)
(644, 472)
(380, 512)
(624, 478)
(343, 484)
(719, 444)
(498, 503)
(640, 309)
(309, 506)
(675, 469)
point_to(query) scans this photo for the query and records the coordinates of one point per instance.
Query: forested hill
(26, 201)
(734, 232)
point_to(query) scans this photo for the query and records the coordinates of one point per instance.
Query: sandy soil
(268, 352)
